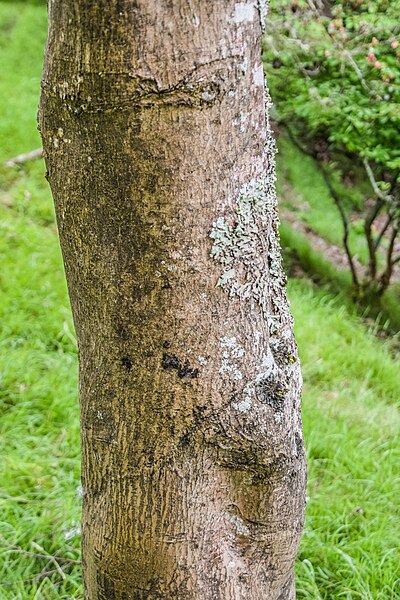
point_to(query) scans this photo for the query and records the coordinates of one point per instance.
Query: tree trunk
(161, 163)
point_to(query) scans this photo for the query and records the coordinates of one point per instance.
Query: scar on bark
(202, 87)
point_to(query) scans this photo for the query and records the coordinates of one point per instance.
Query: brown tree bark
(161, 163)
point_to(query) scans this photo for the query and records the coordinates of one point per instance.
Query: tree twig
(22, 158)
(42, 575)
(383, 231)
(337, 201)
(48, 556)
(370, 218)
(371, 177)
(345, 224)
(387, 274)
(357, 70)
(395, 261)
(46, 572)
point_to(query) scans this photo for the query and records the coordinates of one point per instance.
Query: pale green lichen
(248, 246)
(231, 352)
(244, 13)
(239, 247)
(262, 9)
(247, 398)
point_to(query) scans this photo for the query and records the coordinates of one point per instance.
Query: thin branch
(395, 261)
(345, 223)
(22, 158)
(338, 205)
(378, 192)
(48, 556)
(387, 274)
(42, 575)
(357, 70)
(295, 141)
(45, 572)
(51, 558)
(370, 218)
(383, 231)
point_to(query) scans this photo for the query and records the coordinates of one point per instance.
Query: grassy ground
(39, 431)
(351, 409)
(351, 419)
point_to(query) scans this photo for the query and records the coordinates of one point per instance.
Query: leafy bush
(334, 72)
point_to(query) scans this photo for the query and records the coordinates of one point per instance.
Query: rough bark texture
(161, 163)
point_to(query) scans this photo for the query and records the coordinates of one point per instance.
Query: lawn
(350, 545)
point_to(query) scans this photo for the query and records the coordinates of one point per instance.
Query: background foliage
(334, 73)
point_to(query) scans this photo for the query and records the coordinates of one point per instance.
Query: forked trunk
(161, 163)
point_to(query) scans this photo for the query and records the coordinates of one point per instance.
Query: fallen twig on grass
(45, 572)
(64, 559)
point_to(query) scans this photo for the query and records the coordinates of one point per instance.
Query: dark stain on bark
(126, 362)
(185, 440)
(299, 445)
(170, 361)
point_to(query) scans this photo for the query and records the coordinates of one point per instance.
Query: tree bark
(161, 164)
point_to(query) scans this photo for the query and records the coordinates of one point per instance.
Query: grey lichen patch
(262, 9)
(247, 246)
(236, 351)
(283, 351)
(240, 247)
(246, 401)
(279, 312)
(239, 525)
(244, 13)
(272, 391)
(231, 353)
(269, 387)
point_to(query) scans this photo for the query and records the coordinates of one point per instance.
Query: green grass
(297, 248)
(351, 420)
(351, 414)
(39, 433)
(299, 253)
(303, 191)
(39, 429)
(22, 39)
